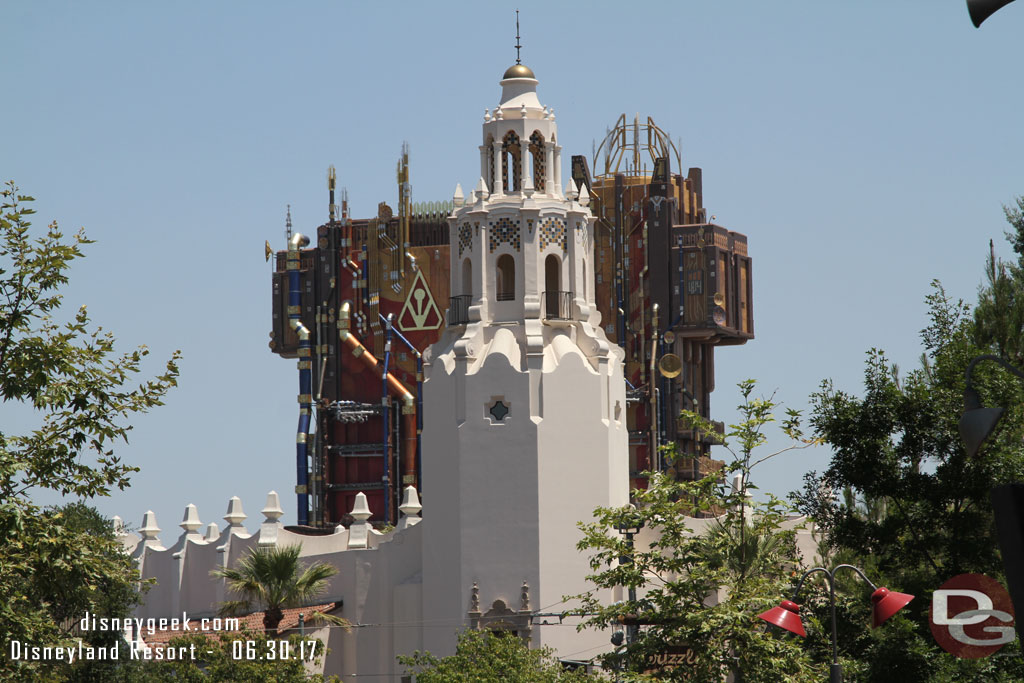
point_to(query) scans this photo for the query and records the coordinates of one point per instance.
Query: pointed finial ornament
(190, 521)
(481, 190)
(149, 529)
(517, 38)
(571, 193)
(360, 508)
(288, 223)
(584, 195)
(234, 516)
(272, 510)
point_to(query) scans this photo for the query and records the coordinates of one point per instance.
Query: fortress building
(670, 286)
(516, 356)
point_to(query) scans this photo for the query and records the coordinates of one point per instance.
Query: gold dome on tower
(518, 71)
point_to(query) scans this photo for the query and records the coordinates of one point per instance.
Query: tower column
(498, 188)
(558, 170)
(549, 164)
(479, 308)
(572, 243)
(525, 161)
(483, 161)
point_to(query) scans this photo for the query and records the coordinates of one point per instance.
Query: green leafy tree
(918, 512)
(703, 591)
(999, 315)
(228, 658)
(69, 375)
(272, 579)
(484, 657)
(102, 582)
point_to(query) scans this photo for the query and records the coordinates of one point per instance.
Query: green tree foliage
(52, 563)
(484, 657)
(101, 583)
(999, 315)
(228, 658)
(703, 591)
(272, 579)
(917, 510)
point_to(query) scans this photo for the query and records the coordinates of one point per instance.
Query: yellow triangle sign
(419, 312)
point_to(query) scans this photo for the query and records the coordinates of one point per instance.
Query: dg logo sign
(972, 616)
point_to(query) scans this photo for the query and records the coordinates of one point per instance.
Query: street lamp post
(976, 425)
(787, 615)
(977, 422)
(630, 528)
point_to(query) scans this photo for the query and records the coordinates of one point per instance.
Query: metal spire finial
(288, 223)
(332, 210)
(517, 38)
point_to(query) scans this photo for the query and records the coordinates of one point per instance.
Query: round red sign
(972, 616)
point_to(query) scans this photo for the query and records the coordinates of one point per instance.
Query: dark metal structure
(372, 296)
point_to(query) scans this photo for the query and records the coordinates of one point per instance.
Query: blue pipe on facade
(386, 404)
(419, 421)
(682, 288)
(419, 400)
(409, 403)
(296, 242)
(621, 320)
(365, 279)
(401, 337)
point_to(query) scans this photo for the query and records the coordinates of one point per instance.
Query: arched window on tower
(554, 306)
(489, 178)
(505, 278)
(467, 277)
(537, 154)
(511, 157)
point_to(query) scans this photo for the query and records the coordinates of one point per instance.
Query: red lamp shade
(787, 616)
(887, 603)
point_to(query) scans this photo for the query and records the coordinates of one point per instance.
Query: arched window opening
(489, 180)
(505, 276)
(467, 277)
(511, 156)
(553, 296)
(537, 155)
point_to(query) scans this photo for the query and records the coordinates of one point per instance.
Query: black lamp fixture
(630, 525)
(977, 422)
(980, 10)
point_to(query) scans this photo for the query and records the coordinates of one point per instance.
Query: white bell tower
(525, 407)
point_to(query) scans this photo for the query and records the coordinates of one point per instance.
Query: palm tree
(743, 546)
(272, 578)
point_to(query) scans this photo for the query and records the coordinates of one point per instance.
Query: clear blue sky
(864, 148)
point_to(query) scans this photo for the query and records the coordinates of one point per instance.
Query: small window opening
(505, 274)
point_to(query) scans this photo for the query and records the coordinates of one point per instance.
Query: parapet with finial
(234, 516)
(181, 572)
(272, 513)
(410, 508)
